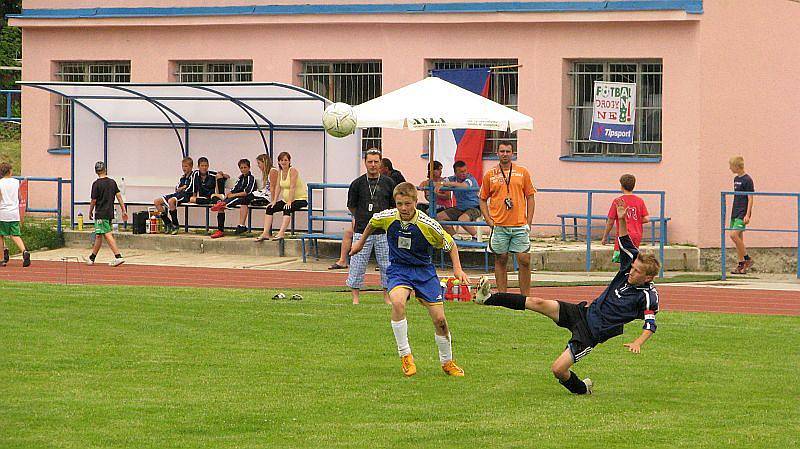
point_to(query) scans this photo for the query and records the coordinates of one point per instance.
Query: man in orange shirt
(507, 202)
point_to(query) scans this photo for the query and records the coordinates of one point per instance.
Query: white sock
(400, 329)
(445, 349)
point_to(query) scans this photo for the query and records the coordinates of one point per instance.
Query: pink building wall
(728, 87)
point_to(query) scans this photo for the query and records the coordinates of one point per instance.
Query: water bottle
(80, 221)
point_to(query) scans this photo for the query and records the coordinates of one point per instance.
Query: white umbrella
(436, 104)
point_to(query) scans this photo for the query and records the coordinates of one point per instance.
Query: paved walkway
(774, 295)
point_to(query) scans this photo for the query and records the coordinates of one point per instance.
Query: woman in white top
(9, 215)
(290, 194)
(262, 195)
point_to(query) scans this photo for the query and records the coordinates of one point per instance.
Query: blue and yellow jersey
(410, 242)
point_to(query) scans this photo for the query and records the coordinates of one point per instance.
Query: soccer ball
(339, 120)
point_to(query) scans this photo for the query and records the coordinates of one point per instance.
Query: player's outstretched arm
(359, 245)
(636, 346)
(622, 217)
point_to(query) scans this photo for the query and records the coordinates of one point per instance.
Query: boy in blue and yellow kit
(410, 235)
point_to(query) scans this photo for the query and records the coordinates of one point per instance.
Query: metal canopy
(214, 105)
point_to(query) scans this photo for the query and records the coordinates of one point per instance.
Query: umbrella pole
(431, 188)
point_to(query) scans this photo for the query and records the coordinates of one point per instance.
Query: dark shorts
(453, 213)
(180, 197)
(202, 200)
(296, 205)
(239, 200)
(573, 317)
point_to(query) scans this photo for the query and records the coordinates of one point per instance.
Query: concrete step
(551, 255)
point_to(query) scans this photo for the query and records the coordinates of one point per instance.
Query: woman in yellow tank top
(290, 195)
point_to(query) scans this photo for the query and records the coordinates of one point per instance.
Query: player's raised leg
(514, 301)
(399, 295)
(443, 340)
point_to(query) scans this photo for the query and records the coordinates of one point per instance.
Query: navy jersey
(204, 187)
(621, 302)
(410, 242)
(186, 181)
(245, 183)
(742, 183)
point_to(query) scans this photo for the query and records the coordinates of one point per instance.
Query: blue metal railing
(723, 228)
(590, 193)
(59, 198)
(9, 94)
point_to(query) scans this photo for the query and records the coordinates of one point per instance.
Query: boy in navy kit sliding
(240, 195)
(631, 295)
(182, 194)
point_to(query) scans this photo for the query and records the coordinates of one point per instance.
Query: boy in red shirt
(637, 214)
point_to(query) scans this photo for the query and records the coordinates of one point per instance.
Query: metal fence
(724, 217)
(590, 197)
(12, 112)
(58, 210)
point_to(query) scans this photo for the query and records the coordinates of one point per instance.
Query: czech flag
(466, 145)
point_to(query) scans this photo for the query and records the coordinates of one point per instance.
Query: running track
(681, 298)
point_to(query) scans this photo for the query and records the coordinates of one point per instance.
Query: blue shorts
(422, 280)
(180, 197)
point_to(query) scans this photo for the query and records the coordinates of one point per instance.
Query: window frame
(90, 72)
(640, 150)
(505, 74)
(214, 71)
(332, 70)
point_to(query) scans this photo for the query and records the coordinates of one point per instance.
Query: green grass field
(145, 367)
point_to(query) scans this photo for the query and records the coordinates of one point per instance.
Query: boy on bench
(182, 193)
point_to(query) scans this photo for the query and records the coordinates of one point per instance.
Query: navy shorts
(422, 280)
(180, 197)
(573, 317)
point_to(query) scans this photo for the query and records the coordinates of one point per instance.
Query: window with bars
(85, 72)
(503, 89)
(351, 82)
(214, 71)
(647, 130)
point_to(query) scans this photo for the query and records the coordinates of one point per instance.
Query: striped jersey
(204, 187)
(410, 241)
(245, 183)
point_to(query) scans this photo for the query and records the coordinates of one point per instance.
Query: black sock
(118, 256)
(509, 300)
(573, 384)
(92, 257)
(746, 257)
(6, 255)
(165, 219)
(174, 215)
(221, 222)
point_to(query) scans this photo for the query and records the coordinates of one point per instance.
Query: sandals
(260, 239)
(336, 266)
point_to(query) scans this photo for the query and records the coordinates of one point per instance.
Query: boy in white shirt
(9, 215)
